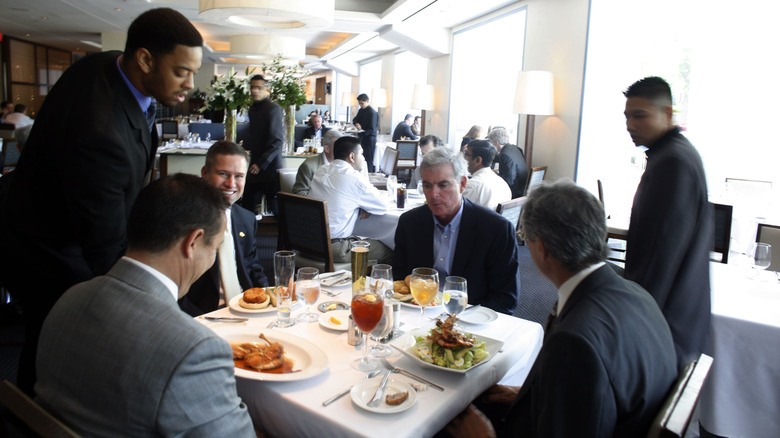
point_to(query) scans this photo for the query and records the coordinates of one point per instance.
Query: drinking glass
(284, 273)
(392, 183)
(381, 281)
(367, 309)
(760, 256)
(456, 295)
(359, 257)
(424, 285)
(307, 288)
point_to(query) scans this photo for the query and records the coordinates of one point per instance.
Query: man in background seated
(403, 131)
(311, 164)
(315, 131)
(19, 117)
(350, 196)
(416, 126)
(608, 358)
(237, 268)
(117, 357)
(457, 237)
(510, 160)
(6, 108)
(427, 143)
(485, 187)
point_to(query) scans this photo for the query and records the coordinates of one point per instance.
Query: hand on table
(471, 423)
(358, 127)
(499, 395)
(362, 214)
(254, 169)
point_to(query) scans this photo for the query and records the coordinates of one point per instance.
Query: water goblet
(307, 288)
(455, 295)
(760, 256)
(284, 273)
(424, 285)
(367, 309)
(381, 281)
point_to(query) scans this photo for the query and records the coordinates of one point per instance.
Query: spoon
(329, 401)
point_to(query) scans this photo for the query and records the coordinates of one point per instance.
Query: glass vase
(230, 125)
(289, 127)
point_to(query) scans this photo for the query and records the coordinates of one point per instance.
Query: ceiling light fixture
(93, 44)
(264, 46)
(270, 14)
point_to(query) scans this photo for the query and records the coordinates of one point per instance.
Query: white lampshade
(263, 46)
(379, 98)
(534, 93)
(422, 98)
(347, 98)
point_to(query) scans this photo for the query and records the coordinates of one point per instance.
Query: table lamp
(378, 100)
(534, 96)
(422, 99)
(347, 98)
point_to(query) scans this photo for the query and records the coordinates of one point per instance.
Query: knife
(380, 392)
(475, 307)
(330, 401)
(223, 318)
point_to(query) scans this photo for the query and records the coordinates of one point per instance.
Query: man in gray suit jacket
(311, 164)
(117, 357)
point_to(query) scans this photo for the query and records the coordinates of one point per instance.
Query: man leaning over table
(607, 360)
(237, 268)
(458, 237)
(350, 197)
(90, 150)
(311, 164)
(116, 355)
(485, 187)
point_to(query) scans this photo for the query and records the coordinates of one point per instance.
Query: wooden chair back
(407, 155)
(535, 176)
(303, 227)
(723, 214)
(387, 166)
(10, 154)
(512, 210)
(170, 129)
(7, 130)
(27, 418)
(770, 234)
(675, 414)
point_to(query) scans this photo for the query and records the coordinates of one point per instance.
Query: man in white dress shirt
(19, 118)
(485, 187)
(350, 197)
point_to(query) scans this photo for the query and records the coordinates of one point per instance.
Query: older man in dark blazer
(315, 130)
(226, 166)
(87, 156)
(457, 237)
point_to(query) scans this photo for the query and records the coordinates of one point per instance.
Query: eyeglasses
(467, 155)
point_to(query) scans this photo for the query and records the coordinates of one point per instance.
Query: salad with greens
(461, 356)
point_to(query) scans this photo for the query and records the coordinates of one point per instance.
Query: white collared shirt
(487, 189)
(569, 285)
(170, 284)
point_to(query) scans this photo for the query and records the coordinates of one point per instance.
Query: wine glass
(424, 285)
(381, 281)
(760, 256)
(366, 312)
(392, 183)
(456, 295)
(308, 290)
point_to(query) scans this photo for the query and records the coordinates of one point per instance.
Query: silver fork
(329, 293)
(402, 371)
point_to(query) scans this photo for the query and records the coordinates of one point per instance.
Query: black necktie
(150, 113)
(551, 318)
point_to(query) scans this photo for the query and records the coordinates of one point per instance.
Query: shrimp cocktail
(366, 312)
(424, 286)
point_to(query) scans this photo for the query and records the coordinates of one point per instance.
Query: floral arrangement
(229, 92)
(285, 83)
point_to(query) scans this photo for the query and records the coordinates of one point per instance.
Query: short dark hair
(363, 97)
(20, 108)
(651, 88)
(170, 208)
(4, 103)
(344, 146)
(484, 150)
(257, 78)
(437, 142)
(159, 31)
(224, 147)
(407, 117)
(570, 221)
(417, 117)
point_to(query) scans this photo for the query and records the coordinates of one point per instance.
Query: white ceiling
(355, 35)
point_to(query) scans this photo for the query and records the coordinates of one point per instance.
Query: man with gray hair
(510, 160)
(311, 164)
(404, 129)
(608, 358)
(458, 237)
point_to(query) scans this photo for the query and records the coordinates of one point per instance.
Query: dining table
(293, 407)
(741, 397)
(382, 226)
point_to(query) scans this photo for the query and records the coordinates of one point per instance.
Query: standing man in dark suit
(266, 140)
(608, 358)
(404, 129)
(90, 150)
(225, 169)
(511, 162)
(316, 131)
(367, 119)
(457, 237)
(671, 232)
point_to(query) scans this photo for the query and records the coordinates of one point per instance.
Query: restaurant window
(486, 59)
(408, 69)
(723, 84)
(370, 77)
(34, 69)
(343, 85)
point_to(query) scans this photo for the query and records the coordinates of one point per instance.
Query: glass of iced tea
(307, 288)
(424, 285)
(366, 312)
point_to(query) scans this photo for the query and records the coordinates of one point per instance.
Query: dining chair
(170, 129)
(406, 161)
(616, 237)
(7, 130)
(10, 154)
(23, 417)
(286, 178)
(303, 228)
(675, 415)
(722, 217)
(512, 210)
(535, 177)
(770, 234)
(387, 166)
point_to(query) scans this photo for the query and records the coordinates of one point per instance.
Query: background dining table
(382, 226)
(295, 409)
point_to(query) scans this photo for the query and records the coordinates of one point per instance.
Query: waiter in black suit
(237, 267)
(266, 140)
(608, 358)
(367, 119)
(90, 150)
(316, 131)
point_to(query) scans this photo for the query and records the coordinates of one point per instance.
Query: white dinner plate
(405, 344)
(483, 315)
(233, 304)
(308, 359)
(341, 315)
(363, 392)
(436, 304)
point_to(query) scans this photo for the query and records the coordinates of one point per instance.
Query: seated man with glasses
(485, 187)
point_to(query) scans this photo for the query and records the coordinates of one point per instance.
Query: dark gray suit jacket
(511, 167)
(266, 139)
(118, 358)
(306, 173)
(604, 369)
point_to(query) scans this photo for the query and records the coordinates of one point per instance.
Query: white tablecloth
(295, 409)
(382, 227)
(741, 397)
